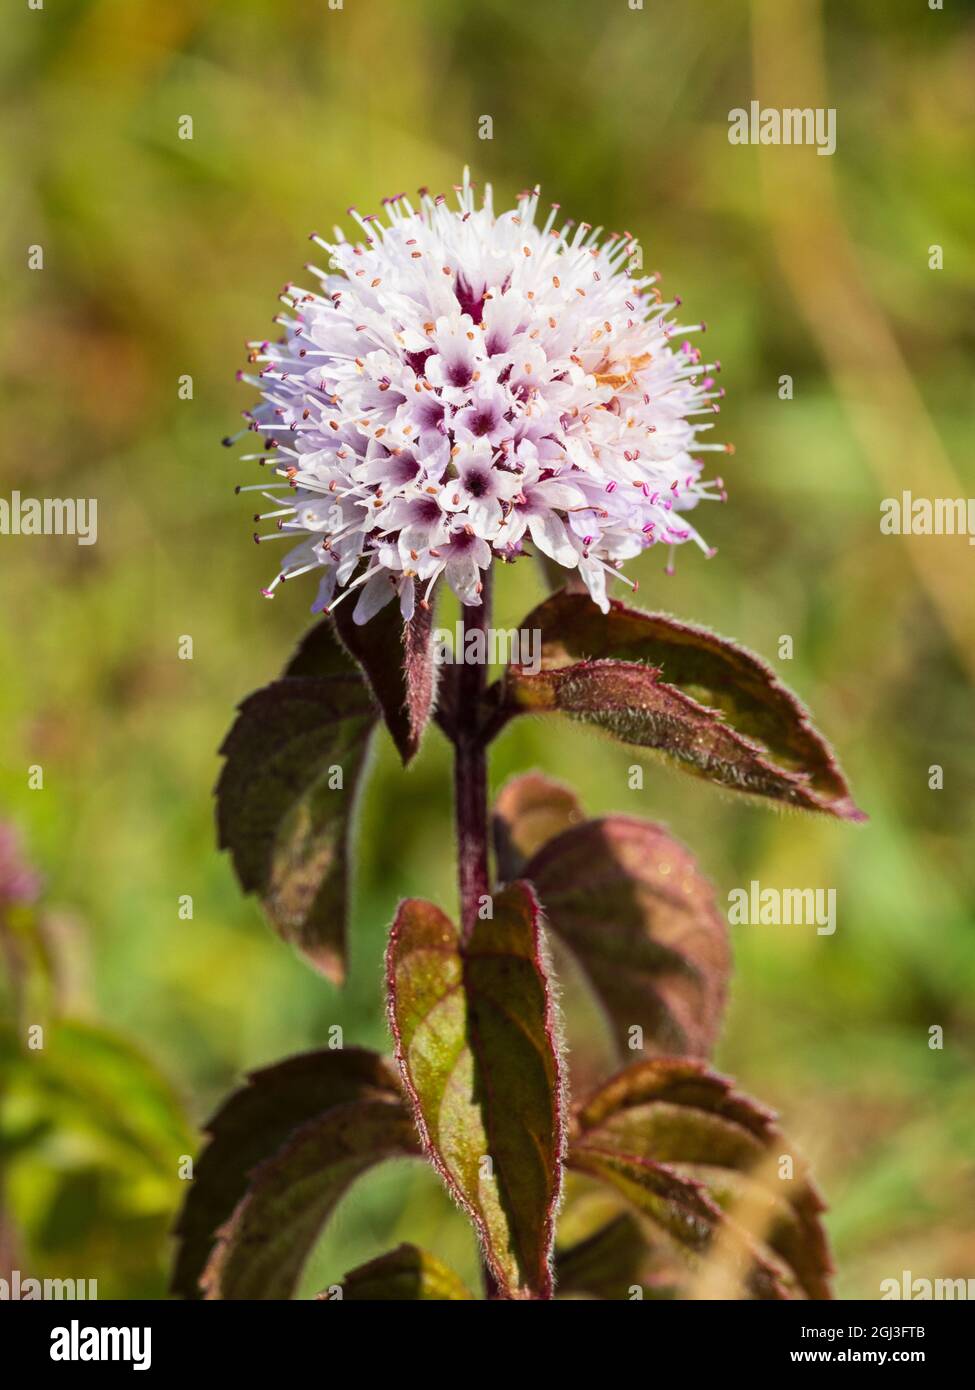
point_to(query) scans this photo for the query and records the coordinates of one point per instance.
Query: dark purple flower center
(403, 467)
(459, 373)
(418, 360)
(430, 412)
(471, 301)
(426, 511)
(476, 482)
(482, 422)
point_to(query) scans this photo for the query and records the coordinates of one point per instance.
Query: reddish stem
(470, 794)
(470, 771)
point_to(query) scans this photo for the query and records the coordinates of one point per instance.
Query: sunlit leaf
(406, 1274)
(256, 1123)
(654, 682)
(708, 1165)
(285, 796)
(475, 1039)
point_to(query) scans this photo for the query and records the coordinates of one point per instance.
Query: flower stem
(470, 772)
(470, 795)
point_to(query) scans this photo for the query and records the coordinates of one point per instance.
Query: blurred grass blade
(684, 1148)
(609, 1263)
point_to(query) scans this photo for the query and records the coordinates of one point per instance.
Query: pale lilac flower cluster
(464, 384)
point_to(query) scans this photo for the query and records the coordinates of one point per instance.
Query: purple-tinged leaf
(684, 1210)
(475, 1040)
(652, 681)
(254, 1124)
(404, 1275)
(632, 704)
(640, 918)
(397, 658)
(261, 1250)
(700, 1159)
(530, 810)
(285, 797)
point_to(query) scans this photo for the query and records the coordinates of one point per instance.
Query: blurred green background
(162, 256)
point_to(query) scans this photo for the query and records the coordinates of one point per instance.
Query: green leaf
(397, 658)
(256, 1123)
(475, 1039)
(657, 683)
(280, 810)
(631, 904)
(530, 810)
(406, 1275)
(703, 1161)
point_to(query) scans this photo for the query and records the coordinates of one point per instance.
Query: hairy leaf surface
(474, 1030)
(530, 810)
(657, 683)
(397, 658)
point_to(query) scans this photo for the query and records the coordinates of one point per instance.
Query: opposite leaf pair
(295, 755)
(685, 1153)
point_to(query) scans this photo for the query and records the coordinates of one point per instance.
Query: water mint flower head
(465, 386)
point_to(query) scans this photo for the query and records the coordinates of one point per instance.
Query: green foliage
(702, 1162)
(91, 1141)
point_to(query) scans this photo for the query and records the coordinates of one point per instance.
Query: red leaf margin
(560, 1121)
